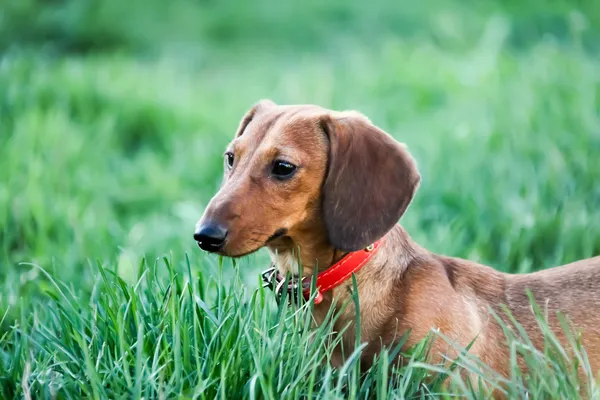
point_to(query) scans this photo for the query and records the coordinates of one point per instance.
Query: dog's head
(303, 170)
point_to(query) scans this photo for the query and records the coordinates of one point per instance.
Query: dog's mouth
(279, 233)
(222, 251)
(220, 248)
(210, 247)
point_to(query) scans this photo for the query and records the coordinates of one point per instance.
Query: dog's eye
(283, 169)
(229, 159)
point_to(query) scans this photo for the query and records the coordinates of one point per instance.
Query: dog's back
(572, 290)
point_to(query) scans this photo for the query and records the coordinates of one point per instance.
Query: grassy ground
(113, 120)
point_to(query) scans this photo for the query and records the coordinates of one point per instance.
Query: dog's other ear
(371, 180)
(261, 104)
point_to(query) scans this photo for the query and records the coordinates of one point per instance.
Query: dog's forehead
(282, 125)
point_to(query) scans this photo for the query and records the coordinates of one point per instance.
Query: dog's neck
(317, 254)
(295, 258)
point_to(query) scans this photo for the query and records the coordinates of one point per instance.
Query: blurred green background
(114, 116)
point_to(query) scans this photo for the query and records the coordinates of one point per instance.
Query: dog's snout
(210, 236)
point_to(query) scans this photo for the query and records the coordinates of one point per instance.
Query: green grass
(111, 140)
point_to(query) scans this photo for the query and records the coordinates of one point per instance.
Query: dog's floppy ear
(370, 181)
(261, 104)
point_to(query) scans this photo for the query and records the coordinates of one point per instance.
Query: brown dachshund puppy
(313, 185)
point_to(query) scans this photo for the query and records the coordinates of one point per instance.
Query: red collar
(326, 280)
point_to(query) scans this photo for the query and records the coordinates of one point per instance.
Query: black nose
(210, 237)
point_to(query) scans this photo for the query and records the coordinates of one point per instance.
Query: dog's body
(312, 185)
(406, 287)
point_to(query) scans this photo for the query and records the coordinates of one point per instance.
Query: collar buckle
(277, 284)
(268, 277)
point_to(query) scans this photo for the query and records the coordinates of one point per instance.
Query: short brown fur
(352, 185)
